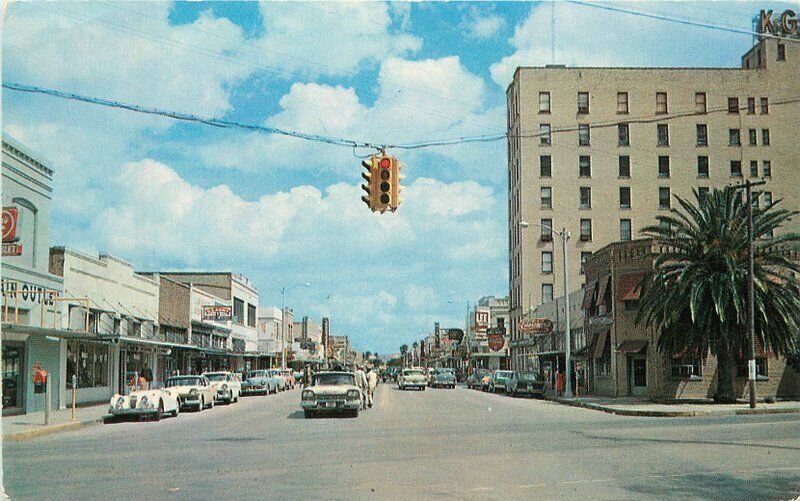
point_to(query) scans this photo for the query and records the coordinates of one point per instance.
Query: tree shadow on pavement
(765, 485)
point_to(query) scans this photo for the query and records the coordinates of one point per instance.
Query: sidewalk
(628, 406)
(27, 426)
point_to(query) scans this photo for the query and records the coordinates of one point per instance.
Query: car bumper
(415, 385)
(254, 389)
(330, 405)
(530, 391)
(189, 401)
(130, 412)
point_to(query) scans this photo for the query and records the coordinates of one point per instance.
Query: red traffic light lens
(385, 163)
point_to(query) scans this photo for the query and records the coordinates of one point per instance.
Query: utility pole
(568, 334)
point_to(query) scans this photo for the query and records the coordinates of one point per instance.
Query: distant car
(526, 383)
(412, 378)
(498, 381)
(486, 380)
(331, 392)
(192, 391)
(298, 377)
(475, 377)
(226, 384)
(259, 381)
(444, 378)
(288, 374)
(151, 403)
(280, 379)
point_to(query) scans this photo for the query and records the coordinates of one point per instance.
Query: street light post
(564, 236)
(283, 320)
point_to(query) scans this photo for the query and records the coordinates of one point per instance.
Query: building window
(623, 136)
(624, 229)
(736, 168)
(547, 293)
(238, 311)
(753, 168)
(761, 367)
(663, 198)
(547, 262)
(586, 230)
(661, 102)
(584, 257)
(663, 166)
(251, 315)
(544, 102)
(583, 102)
(585, 166)
(624, 197)
(753, 136)
(622, 102)
(733, 105)
(734, 138)
(583, 135)
(700, 102)
(545, 166)
(686, 367)
(89, 362)
(544, 135)
(767, 199)
(702, 166)
(766, 168)
(586, 197)
(764, 105)
(624, 166)
(547, 229)
(781, 52)
(547, 197)
(764, 137)
(702, 135)
(751, 105)
(663, 134)
(602, 365)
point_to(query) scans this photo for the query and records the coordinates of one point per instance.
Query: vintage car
(226, 384)
(444, 377)
(280, 379)
(498, 381)
(145, 402)
(331, 392)
(486, 380)
(288, 375)
(526, 383)
(475, 377)
(412, 378)
(259, 381)
(193, 391)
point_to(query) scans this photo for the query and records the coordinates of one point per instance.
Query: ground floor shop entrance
(13, 377)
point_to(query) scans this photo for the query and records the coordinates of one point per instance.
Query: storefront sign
(11, 249)
(786, 23)
(496, 342)
(536, 326)
(216, 313)
(28, 292)
(10, 224)
(481, 321)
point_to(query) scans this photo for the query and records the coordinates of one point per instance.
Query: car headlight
(144, 403)
(193, 391)
(224, 386)
(308, 395)
(353, 394)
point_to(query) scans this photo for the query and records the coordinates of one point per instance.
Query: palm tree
(696, 295)
(403, 352)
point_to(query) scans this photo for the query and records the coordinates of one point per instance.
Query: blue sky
(173, 195)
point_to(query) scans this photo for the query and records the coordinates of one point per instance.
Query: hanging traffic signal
(383, 183)
(370, 178)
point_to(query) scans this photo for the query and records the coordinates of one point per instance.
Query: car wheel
(211, 405)
(201, 405)
(354, 413)
(308, 413)
(177, 410)
(159, 411)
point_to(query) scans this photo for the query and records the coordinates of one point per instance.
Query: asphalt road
(459, 444)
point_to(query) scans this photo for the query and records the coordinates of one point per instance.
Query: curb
(645, 413)
(51, 429)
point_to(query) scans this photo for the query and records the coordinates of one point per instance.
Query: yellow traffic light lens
(385, 175)
(385, 186)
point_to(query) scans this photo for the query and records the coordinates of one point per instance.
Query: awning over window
(632, 346)
(588, 294)
(600, 344)
(629, 286)
(601, 293)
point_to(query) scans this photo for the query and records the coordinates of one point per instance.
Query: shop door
(13, 377)
(638, 375)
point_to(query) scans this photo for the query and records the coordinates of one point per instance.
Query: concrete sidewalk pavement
(628, 406)
(27, 426)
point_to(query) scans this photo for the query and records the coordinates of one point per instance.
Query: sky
(171, 195)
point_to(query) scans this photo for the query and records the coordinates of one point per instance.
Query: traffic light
(370, 178)
(383, 183)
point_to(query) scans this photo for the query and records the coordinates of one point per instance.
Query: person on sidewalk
(560, 383)
(372, 383)
(361, 382)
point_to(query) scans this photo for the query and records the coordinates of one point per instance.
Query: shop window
(89, 362)
(686, 367)
(238, 311)
(251, 315)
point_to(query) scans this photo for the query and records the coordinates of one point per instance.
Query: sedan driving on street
(193, 391)
(412, 378)
(259, 381)
(525, 383)
(444, 378)
(331, 392)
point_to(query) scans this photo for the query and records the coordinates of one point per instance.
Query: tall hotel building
(603, 151)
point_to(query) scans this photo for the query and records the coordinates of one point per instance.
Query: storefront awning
(632, 346)
(629, 286)
(58, 333)
(600, 344)
(153, 342)
(588, 294)
(601, 293)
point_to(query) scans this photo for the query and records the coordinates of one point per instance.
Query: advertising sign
(481, 321)
(496, 342)
(12, 249)
(216, 313)
(10, 224)
(536, 326)
(785, 24)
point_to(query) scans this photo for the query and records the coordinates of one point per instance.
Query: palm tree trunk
(725, 393)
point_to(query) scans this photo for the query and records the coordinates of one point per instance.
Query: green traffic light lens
(384, 198)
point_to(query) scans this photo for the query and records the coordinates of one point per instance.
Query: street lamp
(564, 236)
(284, 290)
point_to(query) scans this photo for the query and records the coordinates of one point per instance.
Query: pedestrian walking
(361, 382)
(560, 381)
(372, 383)
(308, 375)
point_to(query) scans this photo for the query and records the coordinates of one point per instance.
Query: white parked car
(226, 384)
(193, 391)
(280, 379)
(412, 378)
(151, 402)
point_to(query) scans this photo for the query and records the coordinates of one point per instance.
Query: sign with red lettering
(10, 221)
(481, 321)
(496, 342)
(216, 313)
(536, 326)
(11, 249)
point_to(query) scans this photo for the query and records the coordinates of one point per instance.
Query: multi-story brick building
(603, 151)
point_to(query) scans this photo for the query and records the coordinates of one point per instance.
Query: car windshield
(274, 373)
(217, 377)
(256, 374)
(503, 374)
(182, 381)
(444, 371)
(412, 373)
(333, 379)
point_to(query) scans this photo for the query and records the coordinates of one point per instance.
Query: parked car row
(513, 383)
(197, 392)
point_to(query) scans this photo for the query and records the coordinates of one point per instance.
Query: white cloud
(483, 26)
